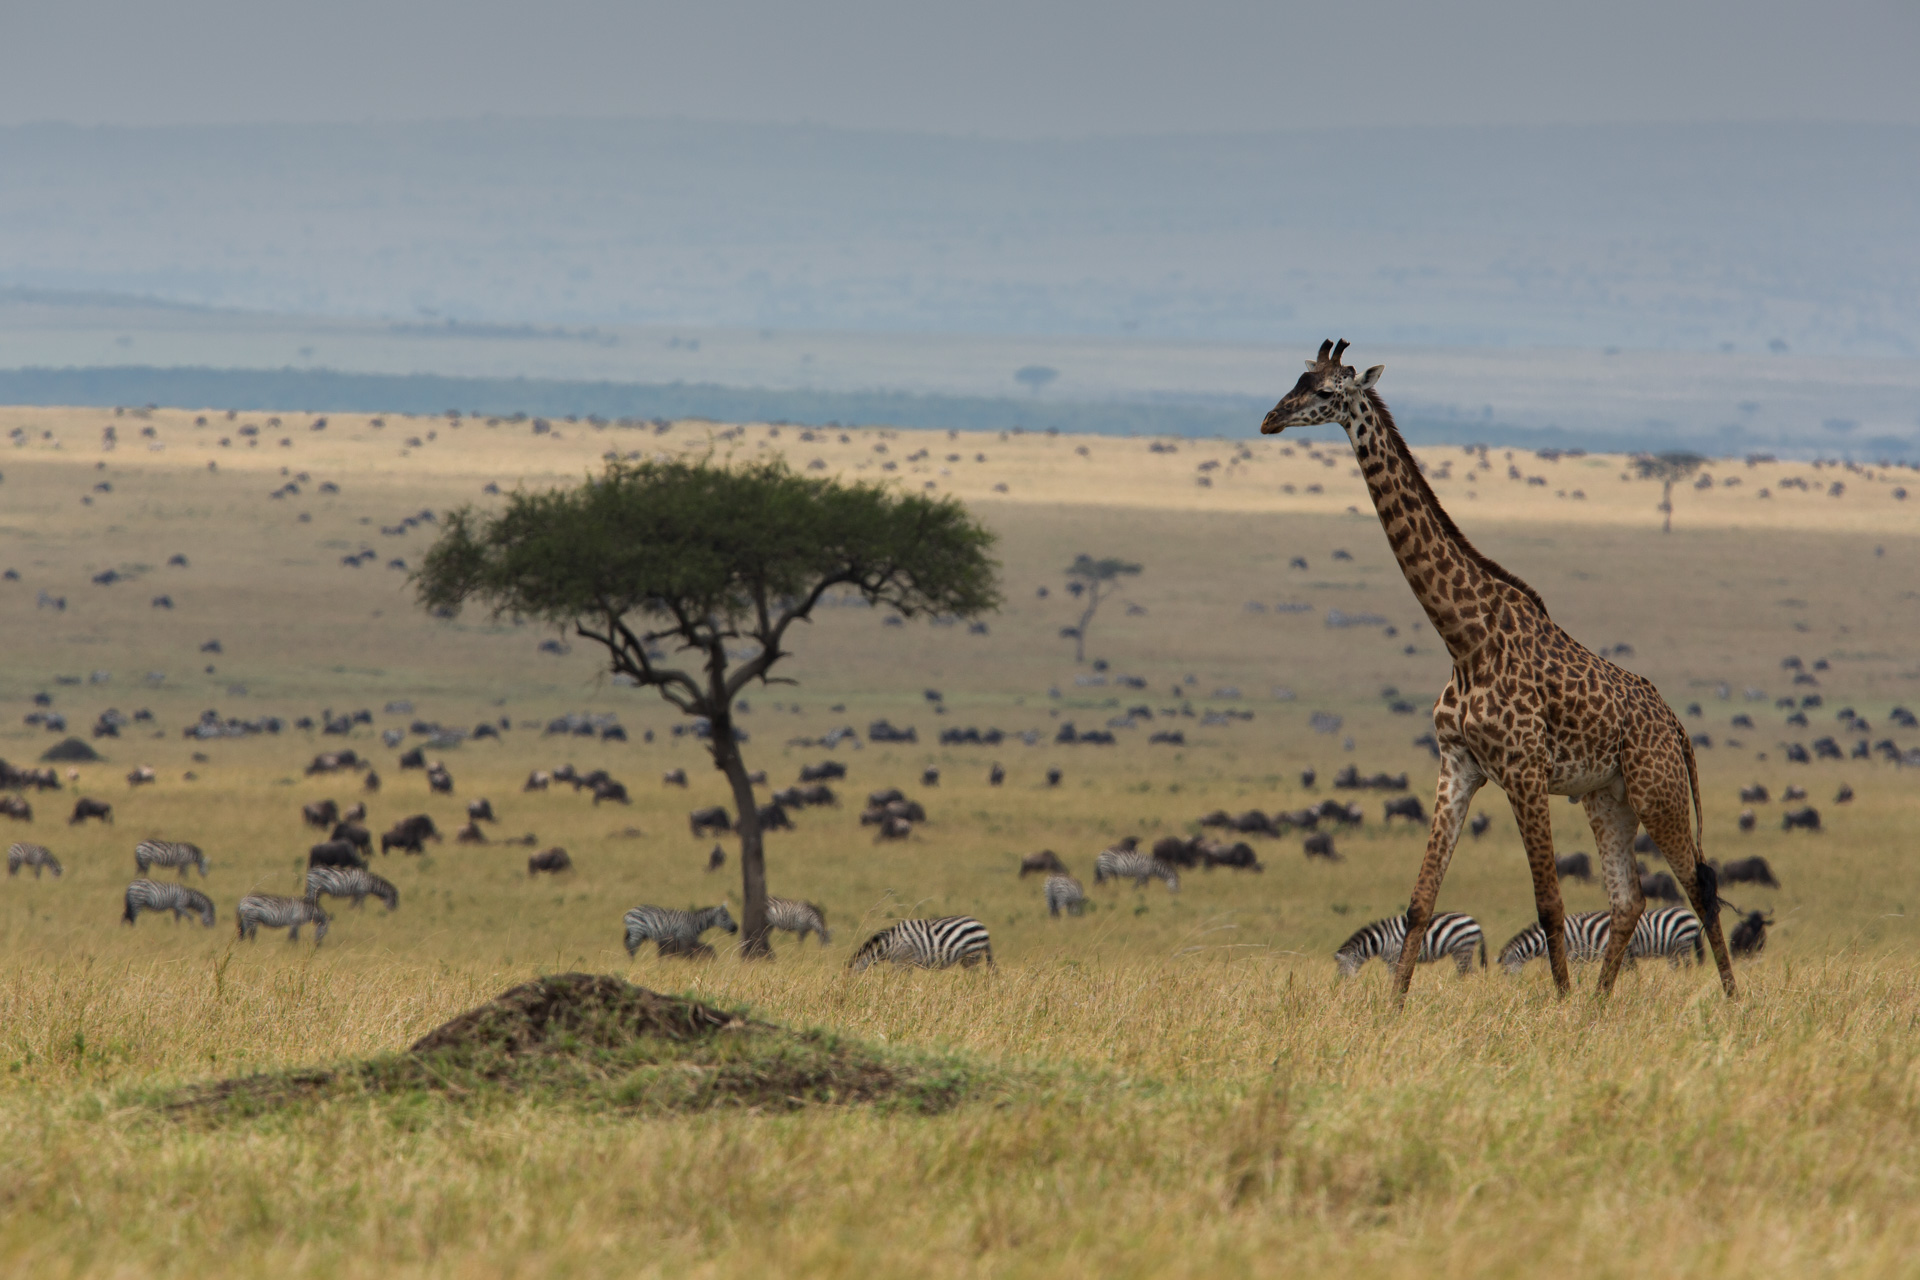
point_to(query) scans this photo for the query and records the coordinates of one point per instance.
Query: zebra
(1117, 864)
(1668, 931)
(152, 895)
(166, 853)
(37, 856)
(797, 917)
(675, 933)
(1450, 933)
(928, 944)
(276, 912)
(1063, 890)
(351, 882)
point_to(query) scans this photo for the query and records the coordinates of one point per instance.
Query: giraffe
(1528, 707)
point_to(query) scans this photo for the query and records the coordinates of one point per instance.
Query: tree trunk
(1080, 631)
(1666, 506)
(753, 859)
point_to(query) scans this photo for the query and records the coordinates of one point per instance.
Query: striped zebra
(152, 895)
(166, 853)
(1668, 931)
(351, 882)
(1063, 890)
(927, 944)
(1450, 933)
(1131, 864)
(276, 912)
(675, 933)
(797, 917)
(37, 856)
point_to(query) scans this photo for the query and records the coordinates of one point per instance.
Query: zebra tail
(129, 916)
(1483, 951)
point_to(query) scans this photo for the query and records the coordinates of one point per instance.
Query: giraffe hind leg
(1614, 822)
(1668, 818)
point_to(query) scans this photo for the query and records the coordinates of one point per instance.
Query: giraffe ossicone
(1528, 708)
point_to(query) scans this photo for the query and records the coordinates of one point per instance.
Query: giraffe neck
(1460, 589)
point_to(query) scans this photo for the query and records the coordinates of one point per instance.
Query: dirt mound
(72, 750)
(596, 1041)
(571, 1010)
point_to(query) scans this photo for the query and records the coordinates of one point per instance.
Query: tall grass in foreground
(1185, 1117)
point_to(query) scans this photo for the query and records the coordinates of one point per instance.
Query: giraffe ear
(1371, 376)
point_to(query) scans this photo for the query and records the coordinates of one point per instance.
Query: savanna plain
(1170, 1084)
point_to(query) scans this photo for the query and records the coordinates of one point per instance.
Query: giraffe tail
(1708, 882)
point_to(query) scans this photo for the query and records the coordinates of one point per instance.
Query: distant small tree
(1035, 376)
(699, 557)
(1669, 469)
(1097, 579)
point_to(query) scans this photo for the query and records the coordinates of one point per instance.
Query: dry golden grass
(1182, 1086)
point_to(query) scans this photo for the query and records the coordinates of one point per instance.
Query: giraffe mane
(1419, 481)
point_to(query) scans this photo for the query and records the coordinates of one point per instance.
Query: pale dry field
(1179, 1084)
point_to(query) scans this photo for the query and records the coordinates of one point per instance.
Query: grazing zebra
(928, 944)
(675, 933)
(1064, 891)
(166, 853)
(276, 912)
(351, 882)
(1668, 931)
(152, 895)
(1451, 933)
(797, 917)
(37, 856)
(1117, 864)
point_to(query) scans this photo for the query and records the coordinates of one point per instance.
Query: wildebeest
(1307, 778)
(1478, 827)
(608, 789)
(1659, 887)
(1805, 818)
(481, 810)
(1045, 862)
(773, 817)
(414, 759)
(1755, 794)
(825, 771)
(930, 777)
(894, 827)
(538, 780)
(320, 813)
(1749, 937)
(1575, 866)
(355, 812)
(1408, 807)
(85, 808)
(1844, 795)
(674, 778)
(354, 834)
(1643, 843)
(1794, 793)
(1747, 820)
(553, 861)
(881, 799)
(1238, 856)
(1748, 871)
(1176, 852)
(470, 834)
(410, 834)
(16, 807)
(1053, 777)
(1254, 823)
(716, 860)
(713, 820)
(996, 775)
(1320, 845)
(371, 782)
(439, 781)
(335, 853)
(144, 774)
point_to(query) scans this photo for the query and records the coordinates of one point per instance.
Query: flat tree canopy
(656, 559)
(1098, 579)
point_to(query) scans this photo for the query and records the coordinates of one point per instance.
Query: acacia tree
(1096, 580)
(694, 557)
(1669, 469)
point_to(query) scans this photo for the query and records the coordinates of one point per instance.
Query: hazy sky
(1012, 68)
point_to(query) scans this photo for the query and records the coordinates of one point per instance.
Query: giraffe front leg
(1614, 822)
(1460, 778)
(1532, 809)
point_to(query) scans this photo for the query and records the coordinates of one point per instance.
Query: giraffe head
(1327, 392)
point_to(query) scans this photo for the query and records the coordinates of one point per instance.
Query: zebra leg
(1614, 822)
(1533, 810)
(1460, 777)
(1463, 960)
(293, 933)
